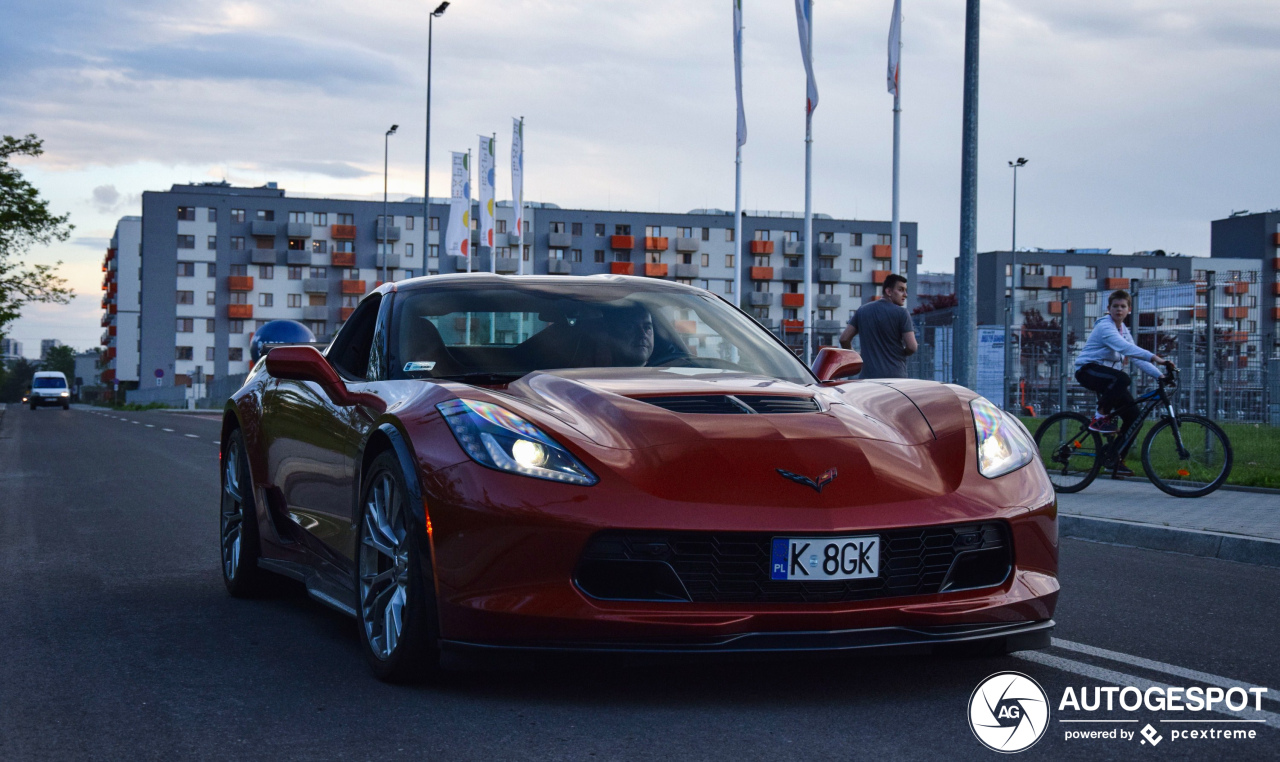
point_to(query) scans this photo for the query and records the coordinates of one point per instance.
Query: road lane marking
(215, 441)
(193, 436)
(1158, 666)
(168, 430)
(132, 421)
(1112, 677)
(151, 425)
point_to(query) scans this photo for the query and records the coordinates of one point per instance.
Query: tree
(933, 302)
(62, 358)
(17, 380)
(25, 221)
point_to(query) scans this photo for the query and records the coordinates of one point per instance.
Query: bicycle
(1184, 455)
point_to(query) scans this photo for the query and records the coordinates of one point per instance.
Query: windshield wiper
(482, 378)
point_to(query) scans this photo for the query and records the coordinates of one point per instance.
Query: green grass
(133, 407)
(1256, 450)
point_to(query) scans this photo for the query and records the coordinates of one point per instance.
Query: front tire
(1070, 451)
(1199, 466)
(239, 524)
(398, 620)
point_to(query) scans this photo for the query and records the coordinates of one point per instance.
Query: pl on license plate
(825, 558)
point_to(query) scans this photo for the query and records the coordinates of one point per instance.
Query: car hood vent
(733, 404)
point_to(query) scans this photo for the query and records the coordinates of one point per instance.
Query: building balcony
(652, 243)
(240, 311)
(687, 245)
(760, 273)
(1235, 313)
(1030, 281)
(108, 376)
(793, 300)
(262, 229)
(1200, 313)
(506, 265)
(342, 258)
(353, 287)
(759, 298)
(627, 242)
(828, 326)
(881, 251)
(761, 247)
(297, 257)
(1055, 308)
(345, 312)
(315, 312)
(828, 301)
(384, 233)
(655, 271)
(315, 285)
(559, 240)
(1236, 287)
(686, 271)
(297, 229)
(386, 260)
(1275, 239)
(829, 275)
(1113, 284)
(342, 232)
(262, 256)
(1275, 263)
(830, 249)
(1059, 281)
(559, 267)
(239, 282)
(622, 268)
(792, 248)
(109, 355)
(1275, 313)
(791, 274)
(793, 326)
(1275, 289)
(1233, 337)
(879, 276)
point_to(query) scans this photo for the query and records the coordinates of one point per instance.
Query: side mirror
(832, 364)
(297, 363)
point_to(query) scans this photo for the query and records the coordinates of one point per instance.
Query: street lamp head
(1021, 162)
(440, 10)
(393, 129)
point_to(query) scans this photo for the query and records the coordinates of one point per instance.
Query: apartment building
(1256, 238)
(215, 261)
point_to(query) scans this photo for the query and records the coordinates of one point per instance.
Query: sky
(1142, 121)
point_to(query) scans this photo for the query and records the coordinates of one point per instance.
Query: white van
(49, 387)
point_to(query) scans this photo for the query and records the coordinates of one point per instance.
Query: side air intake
(733, 404)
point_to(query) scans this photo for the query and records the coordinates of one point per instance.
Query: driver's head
(629, 331)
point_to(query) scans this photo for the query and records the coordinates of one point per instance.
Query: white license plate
(825, 558)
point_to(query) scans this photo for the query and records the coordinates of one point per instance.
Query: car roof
(537, 282)
(47, 373)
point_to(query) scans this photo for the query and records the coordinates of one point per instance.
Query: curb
(1193, 542)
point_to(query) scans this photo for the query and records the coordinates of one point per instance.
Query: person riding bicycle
(1098, 365)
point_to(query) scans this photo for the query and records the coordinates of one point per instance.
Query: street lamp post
(386, 226)
(1013, 284)
(426, 185)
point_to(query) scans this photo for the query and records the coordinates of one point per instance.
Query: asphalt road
(120, 641)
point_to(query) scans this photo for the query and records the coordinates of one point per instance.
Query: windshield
(48, 382)
(496, 333)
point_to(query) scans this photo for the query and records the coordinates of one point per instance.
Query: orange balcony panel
(1275, 289)
(882, 251)
(1055, 308)
(1200, 313)
(879, 276)
(109, 354)
(345, 312)
(240, 311)
(762, 273)
(353, 287)
(1275, 239)
(792, 326)
(656, 244)
(1233, 337)
(1235, 313)
(1275, 313)
(689, 327)
(240, 282)
(108, 376)
(793, 300)
(1237, 287)
(1059, 281)
(343, 259)
(655, 271)
(761, 247)
(622, 242)
(1275, 263)
(342, 232)
(111, 310)
(622, 268)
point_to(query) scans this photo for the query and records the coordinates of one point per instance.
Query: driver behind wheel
(624, 336)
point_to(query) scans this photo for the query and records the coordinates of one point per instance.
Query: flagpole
(808, 203)
(519, 203)
(739, 263)
(895, 64)
(493, 165)
(471, 253)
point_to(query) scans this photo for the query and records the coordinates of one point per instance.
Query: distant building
(933, 284)
(46, 345)
(1254, 237)
(121, 304)
(86, 370)
(10, 350)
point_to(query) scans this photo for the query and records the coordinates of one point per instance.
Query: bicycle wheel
(1071, 453)
(1190, 459)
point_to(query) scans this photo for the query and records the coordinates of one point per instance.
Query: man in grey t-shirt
(888, 336)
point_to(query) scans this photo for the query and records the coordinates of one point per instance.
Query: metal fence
(205, 393)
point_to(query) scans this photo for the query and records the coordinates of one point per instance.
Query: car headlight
(65, 394)
(1003, 442)
(498, 438)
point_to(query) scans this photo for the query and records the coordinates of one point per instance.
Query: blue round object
(279, 332)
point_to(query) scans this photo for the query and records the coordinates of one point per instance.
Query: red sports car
(623, 464)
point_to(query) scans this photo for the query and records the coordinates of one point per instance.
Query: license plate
(825, 558)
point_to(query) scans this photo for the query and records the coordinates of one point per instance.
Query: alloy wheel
(383, 566)
(232, 509)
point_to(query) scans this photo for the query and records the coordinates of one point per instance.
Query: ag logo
(1008, 712)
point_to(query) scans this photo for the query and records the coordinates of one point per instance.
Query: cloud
(108, 200)
(338, 169)
(91, 242)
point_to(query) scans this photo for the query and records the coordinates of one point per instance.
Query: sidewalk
(1235, 526)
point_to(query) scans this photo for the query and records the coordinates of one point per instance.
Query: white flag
(804, 20)
(458, 234)
(485, 178)
(737, 70)
(517, 175)
(895, 46)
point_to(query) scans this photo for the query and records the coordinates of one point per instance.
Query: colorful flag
(804, 20)
(458, 234)
(895, 46)
(737, 70)
(485, 178)
(517, 175)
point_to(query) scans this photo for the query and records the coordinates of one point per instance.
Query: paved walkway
(1229, 512)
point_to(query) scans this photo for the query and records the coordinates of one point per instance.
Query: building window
(183, 353)
(621, 256)
(208, 354)
(761, 286)
(576, 229)
(828, 262)
(792, 236)
(855, 265)
(600, 229)
(684, 232)
(297, 216)
(237, 243)
(791, 261)
(186, 325)
(855, 289)
(728, 235)
(186, 242)
(622, 230)
(235, 326)
(408, 223)
(237, 215)
(187, 213)
(212, 243)
(210, 326)
(319, 218)
(319, 247)
(265, 215)
(686, 259)
(500, 226)
(903, 243)
(728, 260)
(266, 300)
(319, 272)
(1091, 297)
(557, 227)
(826, 288)
(1172, 275)
(728, 287)
(239, 269)
(761, 235)
(186, 297)
(297, 244)
(408, 250)
(213, 215)
(653, 257)
(599, 255)
(317, 327)
(317, 300)
(1115, 272)
(295, 300)
(295, 273)
(433, 250)
(345, 247)
(211, 297)
(1090, 273)
(264, 242)
(826, 238)
(528, 252)
(186, 269)
(855, 239)
(350, 300)
(761, 313)
(576, 255)
(433, 223)
(238, 297)
(267, 272)
(236, 354)
(1059, 269)
(346, 219)
(706, 259)
(555, 254)
(883, 239)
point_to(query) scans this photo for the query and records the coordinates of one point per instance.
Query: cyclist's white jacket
(1109, 345)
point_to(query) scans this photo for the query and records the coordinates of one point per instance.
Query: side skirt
(327, 591)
